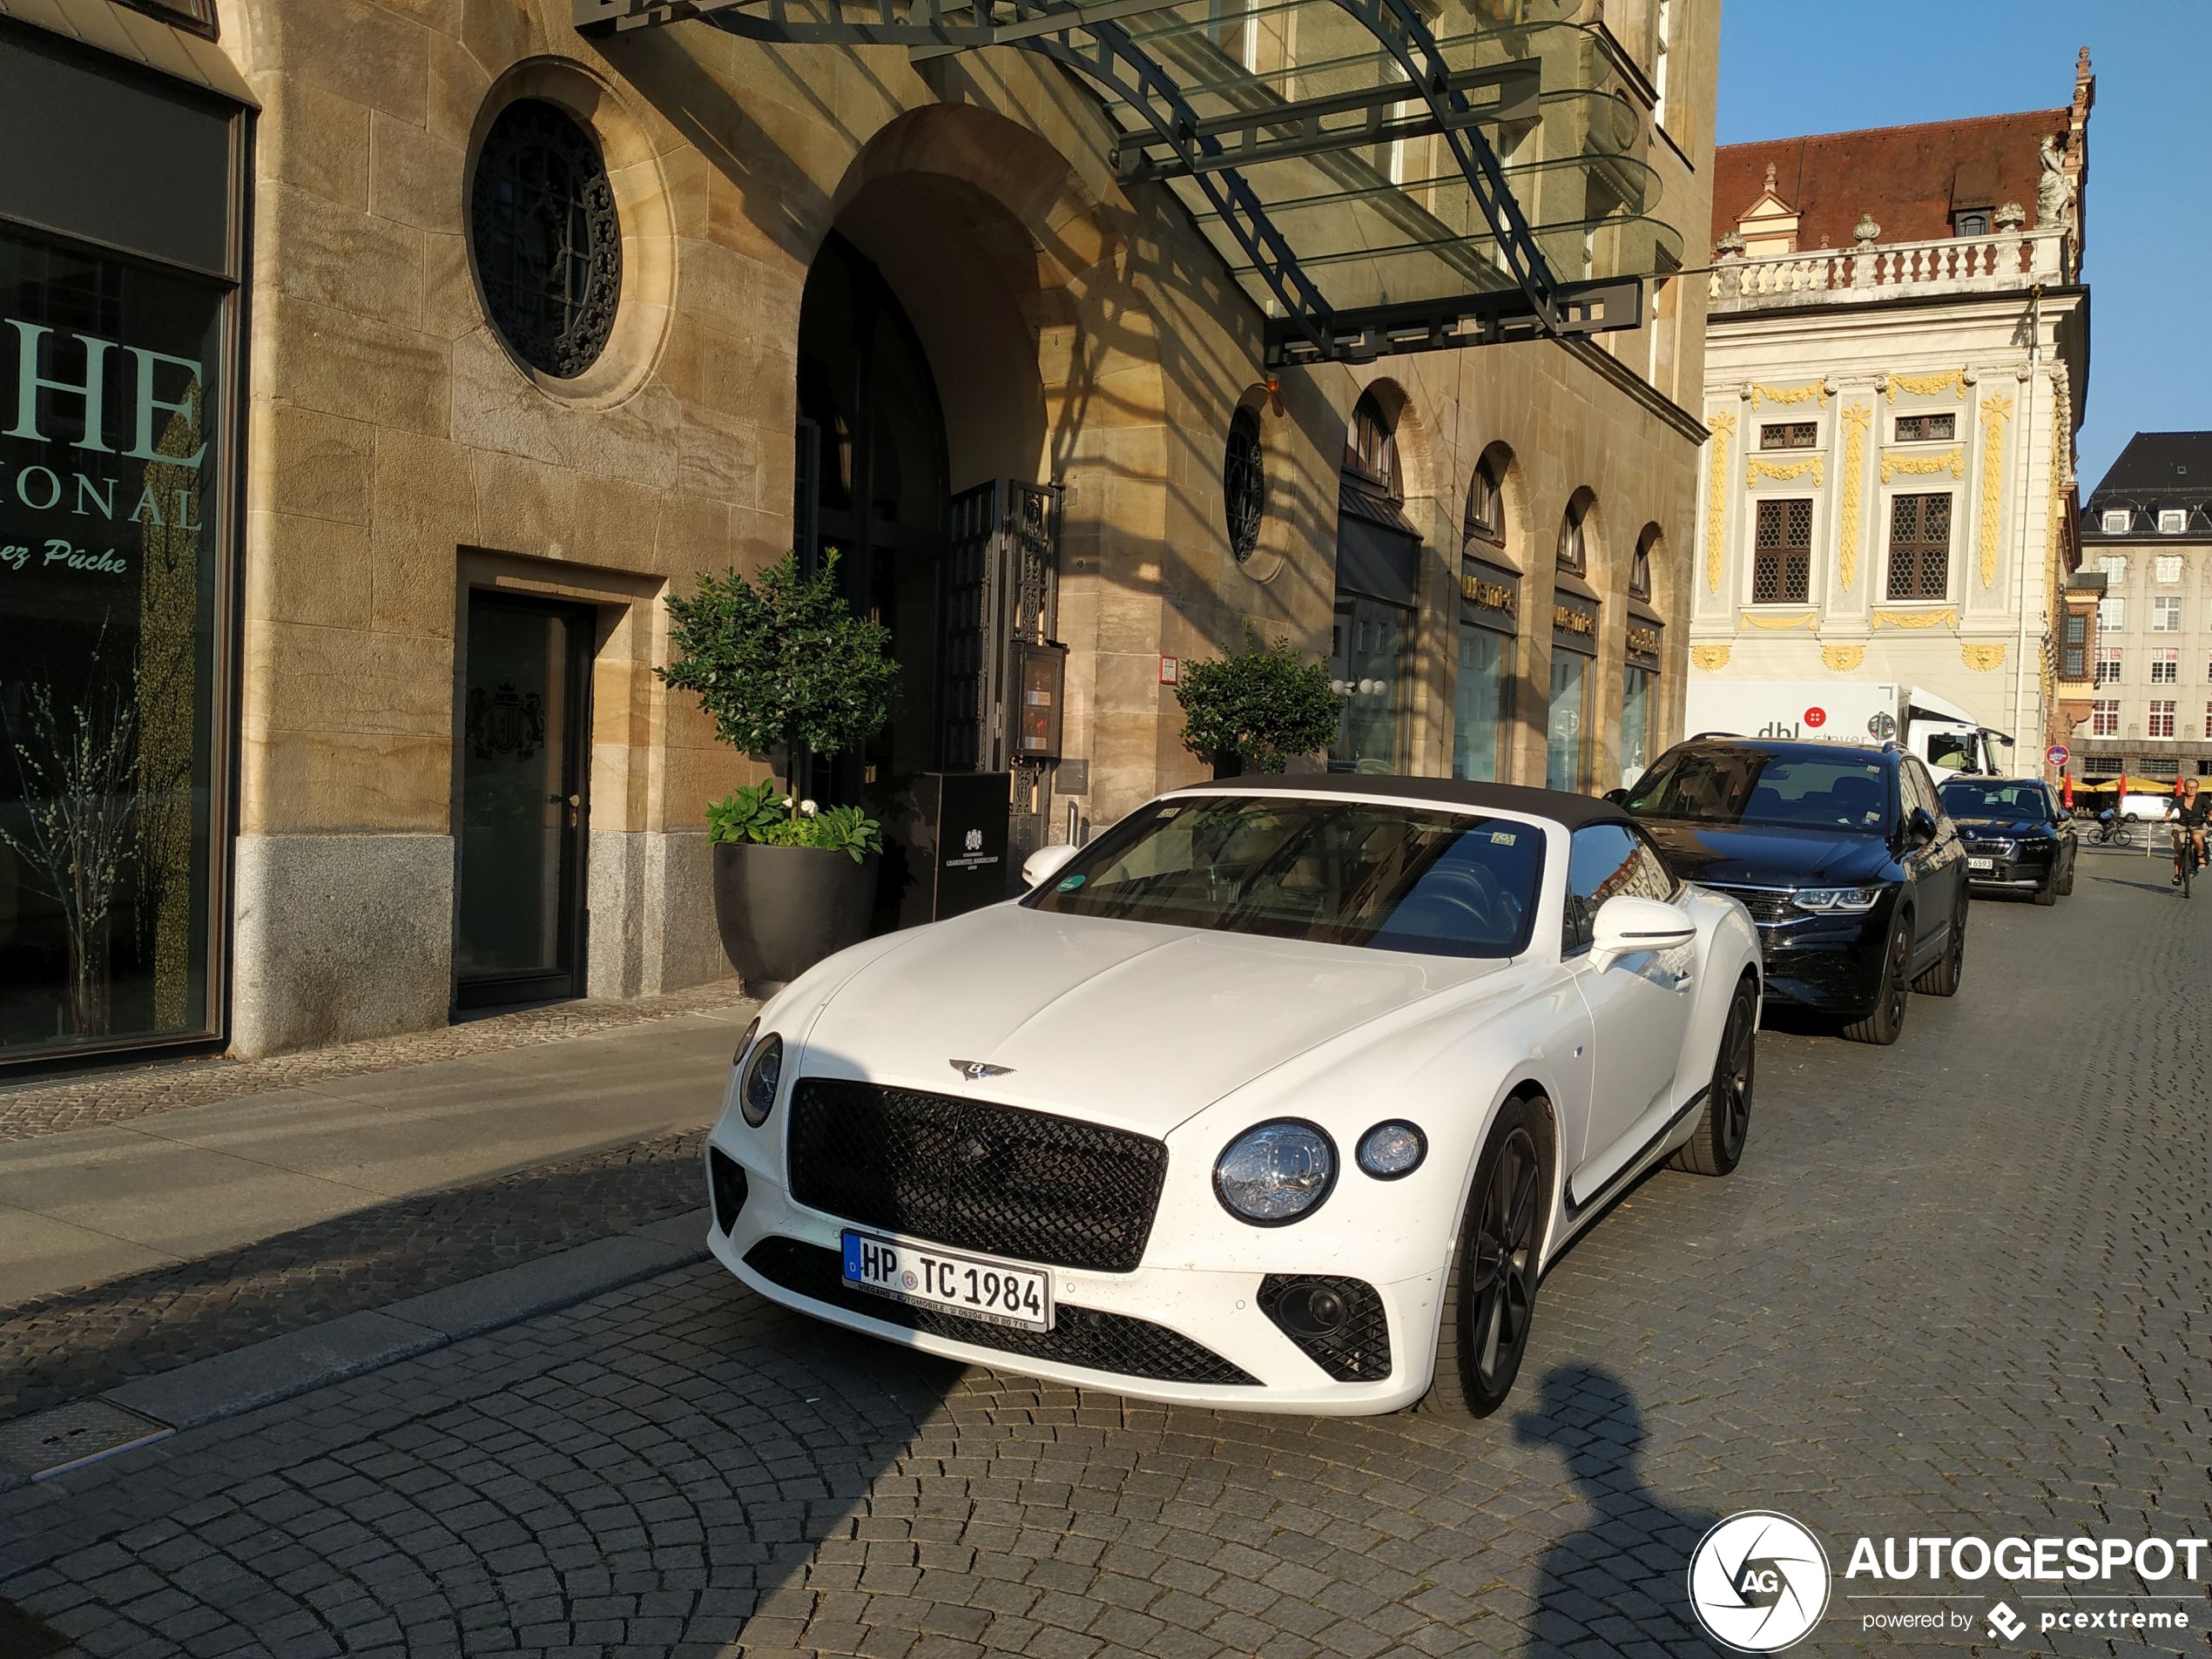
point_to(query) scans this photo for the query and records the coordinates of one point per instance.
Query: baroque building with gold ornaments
(1896, 363)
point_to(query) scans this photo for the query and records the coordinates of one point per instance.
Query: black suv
(2018, 841)
(1844, 856)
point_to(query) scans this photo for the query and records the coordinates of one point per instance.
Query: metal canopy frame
(1173, 141)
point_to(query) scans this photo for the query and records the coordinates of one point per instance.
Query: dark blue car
(1843, 854)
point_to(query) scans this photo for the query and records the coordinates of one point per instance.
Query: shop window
(1927, 429)
(2104, 718)
(2166, 614)
(2165, 666)
(1636, 724)
(1482, 704)
(1244, 484)
(546, 239)
(2162, 719)
(1782, 554)
(1789, 434)
(1920, 546)
(1565, 748)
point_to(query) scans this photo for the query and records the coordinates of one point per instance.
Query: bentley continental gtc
(1280, 1095)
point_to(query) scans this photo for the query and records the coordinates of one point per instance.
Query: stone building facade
(1897, 364)
(2146, 533)
(447, 772)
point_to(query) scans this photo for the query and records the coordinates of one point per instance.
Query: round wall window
(546, 239)
(1244, 484)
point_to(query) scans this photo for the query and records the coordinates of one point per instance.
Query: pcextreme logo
(1758, 1581)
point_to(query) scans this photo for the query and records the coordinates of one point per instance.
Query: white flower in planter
(808, 808)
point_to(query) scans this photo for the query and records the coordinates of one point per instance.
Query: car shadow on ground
(1621, 1583)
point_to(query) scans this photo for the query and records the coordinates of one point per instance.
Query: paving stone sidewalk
(89, 1100)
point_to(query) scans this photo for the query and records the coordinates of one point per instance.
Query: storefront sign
(1643, 645)
(1575, 624)
(1488, 595)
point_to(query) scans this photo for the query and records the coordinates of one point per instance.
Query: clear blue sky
(1791, 67)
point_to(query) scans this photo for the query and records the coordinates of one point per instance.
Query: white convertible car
(1280, 1095)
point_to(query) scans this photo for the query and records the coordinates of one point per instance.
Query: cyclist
(2187, 811)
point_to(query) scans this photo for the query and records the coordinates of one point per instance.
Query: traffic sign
(2057, 754)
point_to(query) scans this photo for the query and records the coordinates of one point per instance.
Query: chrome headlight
(1831, 900)
(1391, 1149)
(757, 1089)
(1275, 1173)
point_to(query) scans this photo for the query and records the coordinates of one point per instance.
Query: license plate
(1981, 864)
(974, 1287)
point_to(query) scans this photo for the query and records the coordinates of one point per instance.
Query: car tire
(1943, 979)
(2048, 895)
(1718, 1147)
(2065, 881)
(1885, 1023)
(1490, 1291)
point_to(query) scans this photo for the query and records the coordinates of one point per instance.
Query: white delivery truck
(1932, 727)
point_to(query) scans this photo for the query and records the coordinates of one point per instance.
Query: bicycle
(2188, 857)
(2116, 832)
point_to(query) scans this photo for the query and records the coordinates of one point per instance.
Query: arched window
(545, 237)
(1574, 555)
(1485, 515)
(1243, 484)
(1640, 564)
(1370, 447)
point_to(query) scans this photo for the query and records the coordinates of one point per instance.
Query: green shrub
(781, 662)
(1262, 704)
(761, 812)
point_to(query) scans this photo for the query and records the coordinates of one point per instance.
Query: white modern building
(1896, 363)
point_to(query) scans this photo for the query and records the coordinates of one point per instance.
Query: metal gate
(1002, 589)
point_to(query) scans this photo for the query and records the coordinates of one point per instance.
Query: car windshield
(1749, 786)
(1964, 799)
(1336, 872)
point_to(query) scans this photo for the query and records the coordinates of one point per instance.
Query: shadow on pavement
(1622, 1582)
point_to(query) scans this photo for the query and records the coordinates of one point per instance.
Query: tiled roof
(2157, 471)
(1910, 178)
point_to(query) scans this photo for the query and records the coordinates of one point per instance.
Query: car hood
(1765, 855)
(1130, 1023)
(2018, 826)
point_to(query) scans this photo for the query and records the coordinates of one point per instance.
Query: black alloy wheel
(1490, 1294)
(1943, 979)
(1884, 1022)
(1717, 1145)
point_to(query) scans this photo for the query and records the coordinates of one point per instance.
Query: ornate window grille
(1789, 434)
(1920, 546)
(546, 238)
(1244, 484)
(1782, 555)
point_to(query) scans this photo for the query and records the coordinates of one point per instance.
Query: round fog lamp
(1391, 1149)
(1275, 1173)
(757, 1094)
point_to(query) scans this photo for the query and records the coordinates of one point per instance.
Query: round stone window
(1244, 484)
(546, 239)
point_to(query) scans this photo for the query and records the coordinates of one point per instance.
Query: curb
(152, 1408)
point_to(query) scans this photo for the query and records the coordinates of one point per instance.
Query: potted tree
(785, 668)
(1253, 710)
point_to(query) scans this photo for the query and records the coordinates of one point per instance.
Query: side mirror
(1921, 825)
(1626, 924)
(1039, 867)
(1618, 797)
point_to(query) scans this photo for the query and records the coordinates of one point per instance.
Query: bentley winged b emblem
(976, 1070)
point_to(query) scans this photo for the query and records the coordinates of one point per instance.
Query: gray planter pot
(782, 909)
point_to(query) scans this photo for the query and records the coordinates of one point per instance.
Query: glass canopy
(1380, 175)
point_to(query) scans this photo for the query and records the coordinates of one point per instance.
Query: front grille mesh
(1080, 1336)
(1359, 1351)
(975, 1176)
(1765, 904)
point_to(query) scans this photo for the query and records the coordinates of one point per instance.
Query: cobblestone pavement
(1958, 1286)
(66, 1346)
(88, 1100)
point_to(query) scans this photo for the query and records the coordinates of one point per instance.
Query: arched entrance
(872, 489)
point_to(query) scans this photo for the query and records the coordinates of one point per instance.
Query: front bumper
(1830, 964)
(2021, 869)
(1205, 1329)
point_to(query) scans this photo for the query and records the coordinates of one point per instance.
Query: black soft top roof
(1573, 811)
